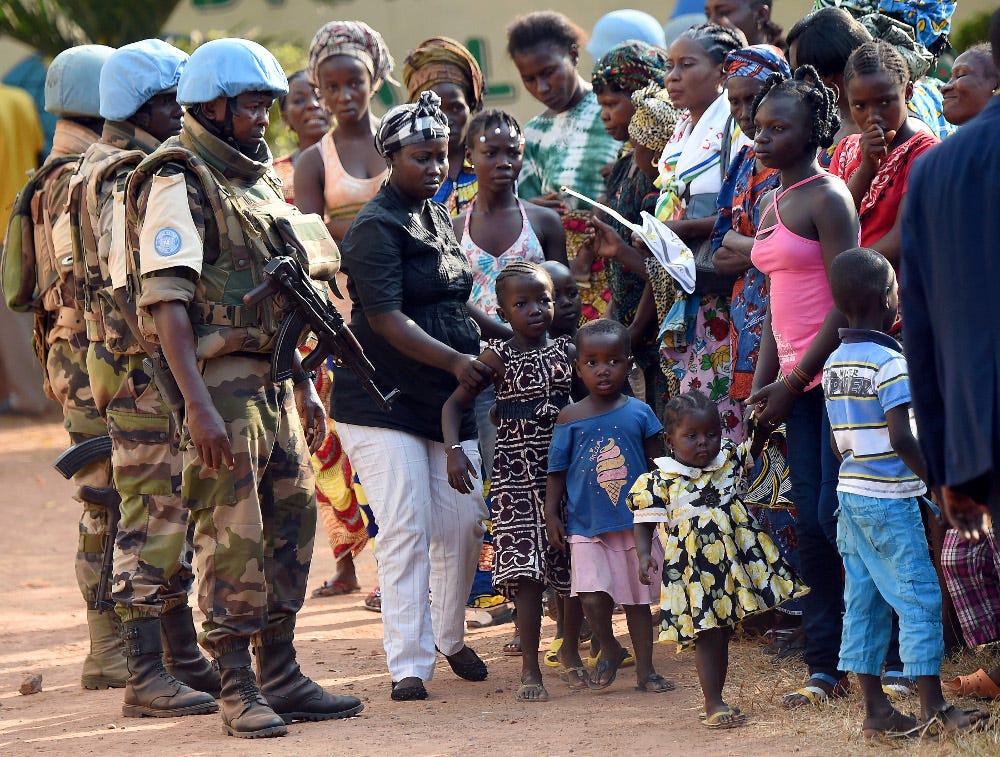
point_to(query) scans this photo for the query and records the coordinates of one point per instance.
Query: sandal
(551, 658)
(977, 685)
(656, 684)
(628, 662)
(513, 647)
(575, 678)
(531, 692)
(896, 686)
(373, 601)
(814, 694)
(895, 726)
(335, 588)
(605, 667)
(731, 717)
(939, 724)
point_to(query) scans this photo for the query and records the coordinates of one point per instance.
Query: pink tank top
(344, 194)
(486, 267)
(800, 291)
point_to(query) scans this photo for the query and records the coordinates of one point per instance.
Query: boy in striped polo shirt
(880, 533)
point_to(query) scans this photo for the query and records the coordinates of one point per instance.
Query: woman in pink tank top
(348, 62)
(806, 223)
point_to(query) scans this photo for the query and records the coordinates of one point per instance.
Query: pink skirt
(608, 563)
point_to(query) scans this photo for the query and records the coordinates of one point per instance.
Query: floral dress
(719, 566)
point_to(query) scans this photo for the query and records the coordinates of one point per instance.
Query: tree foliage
(51, 26)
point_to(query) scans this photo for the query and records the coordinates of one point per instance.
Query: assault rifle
(309, 311)
(71, 462)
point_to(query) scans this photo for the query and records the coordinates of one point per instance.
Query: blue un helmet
(72, 83)
(137, 72)
(228, 68)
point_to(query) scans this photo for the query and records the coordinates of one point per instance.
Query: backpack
(27, 275)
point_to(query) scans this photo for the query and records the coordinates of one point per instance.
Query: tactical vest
(30, 267)
(248, 236)
(94, 290)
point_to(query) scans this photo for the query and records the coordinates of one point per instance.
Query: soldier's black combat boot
(151, 691)
(293, 695)
(104, 666)
(245, 712)
(182, 656)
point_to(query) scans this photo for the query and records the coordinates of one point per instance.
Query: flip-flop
(521, 694)
(900, 727)
(373, 601)
(513, 647)
(661, 685)
(335, 589)
(551, 658)
(575, 678)
(937, 725)
(812, 694)
(628, 663)
(731, 717)
(897, 687)
(607, 667)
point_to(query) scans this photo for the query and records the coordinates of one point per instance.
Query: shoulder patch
(167, 242)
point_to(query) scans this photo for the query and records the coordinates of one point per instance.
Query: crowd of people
(648, 350)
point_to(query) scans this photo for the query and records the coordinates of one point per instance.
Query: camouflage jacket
(53, 243)
(97, 221)
(200, 225)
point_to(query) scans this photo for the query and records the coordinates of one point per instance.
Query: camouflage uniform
(152, 571)
(253, 526)
(60, 342)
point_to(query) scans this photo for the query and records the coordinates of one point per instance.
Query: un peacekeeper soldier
(152, 574)
(247, 475)
(71, 93)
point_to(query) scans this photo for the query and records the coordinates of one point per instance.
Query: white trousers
(429, 536)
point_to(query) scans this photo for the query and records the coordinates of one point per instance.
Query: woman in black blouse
(409, 283)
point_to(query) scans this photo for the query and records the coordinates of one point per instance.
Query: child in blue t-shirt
(600, 446)
(880, 533)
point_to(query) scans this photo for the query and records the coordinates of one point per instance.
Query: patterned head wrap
(654, 119)
(357, 40)
(757, 62)
(929, 19)
(899, 35)
(441, 59)
(629, 66)
(411, 124)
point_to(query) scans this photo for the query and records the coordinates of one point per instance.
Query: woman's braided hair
(515, 269)
(716, 40)
(877, 57)
(685, 404)
(821, 101)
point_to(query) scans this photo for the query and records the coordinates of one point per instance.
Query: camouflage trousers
(152, 557)
(254, 526)
(66, 370)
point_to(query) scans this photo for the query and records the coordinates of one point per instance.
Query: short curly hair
(532, 29)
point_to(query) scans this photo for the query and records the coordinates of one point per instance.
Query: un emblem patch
(167, 242)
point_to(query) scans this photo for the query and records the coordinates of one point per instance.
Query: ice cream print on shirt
(612, 472)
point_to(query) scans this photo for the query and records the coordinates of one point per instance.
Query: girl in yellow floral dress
(719, 566)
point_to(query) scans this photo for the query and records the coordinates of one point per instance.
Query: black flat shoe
(409, 693)
(469, 669)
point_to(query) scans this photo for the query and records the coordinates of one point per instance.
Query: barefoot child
(880, 533)
(720, 567)
(533, 384)
(600, 446)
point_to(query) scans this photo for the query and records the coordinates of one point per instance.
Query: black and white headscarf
(411, 124)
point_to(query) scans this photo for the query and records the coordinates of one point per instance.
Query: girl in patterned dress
(533, 374)
(719, 566)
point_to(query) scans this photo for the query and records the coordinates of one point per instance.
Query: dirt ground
(43, 630)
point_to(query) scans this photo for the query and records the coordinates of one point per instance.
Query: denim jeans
(888, 568)
(813, 469)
